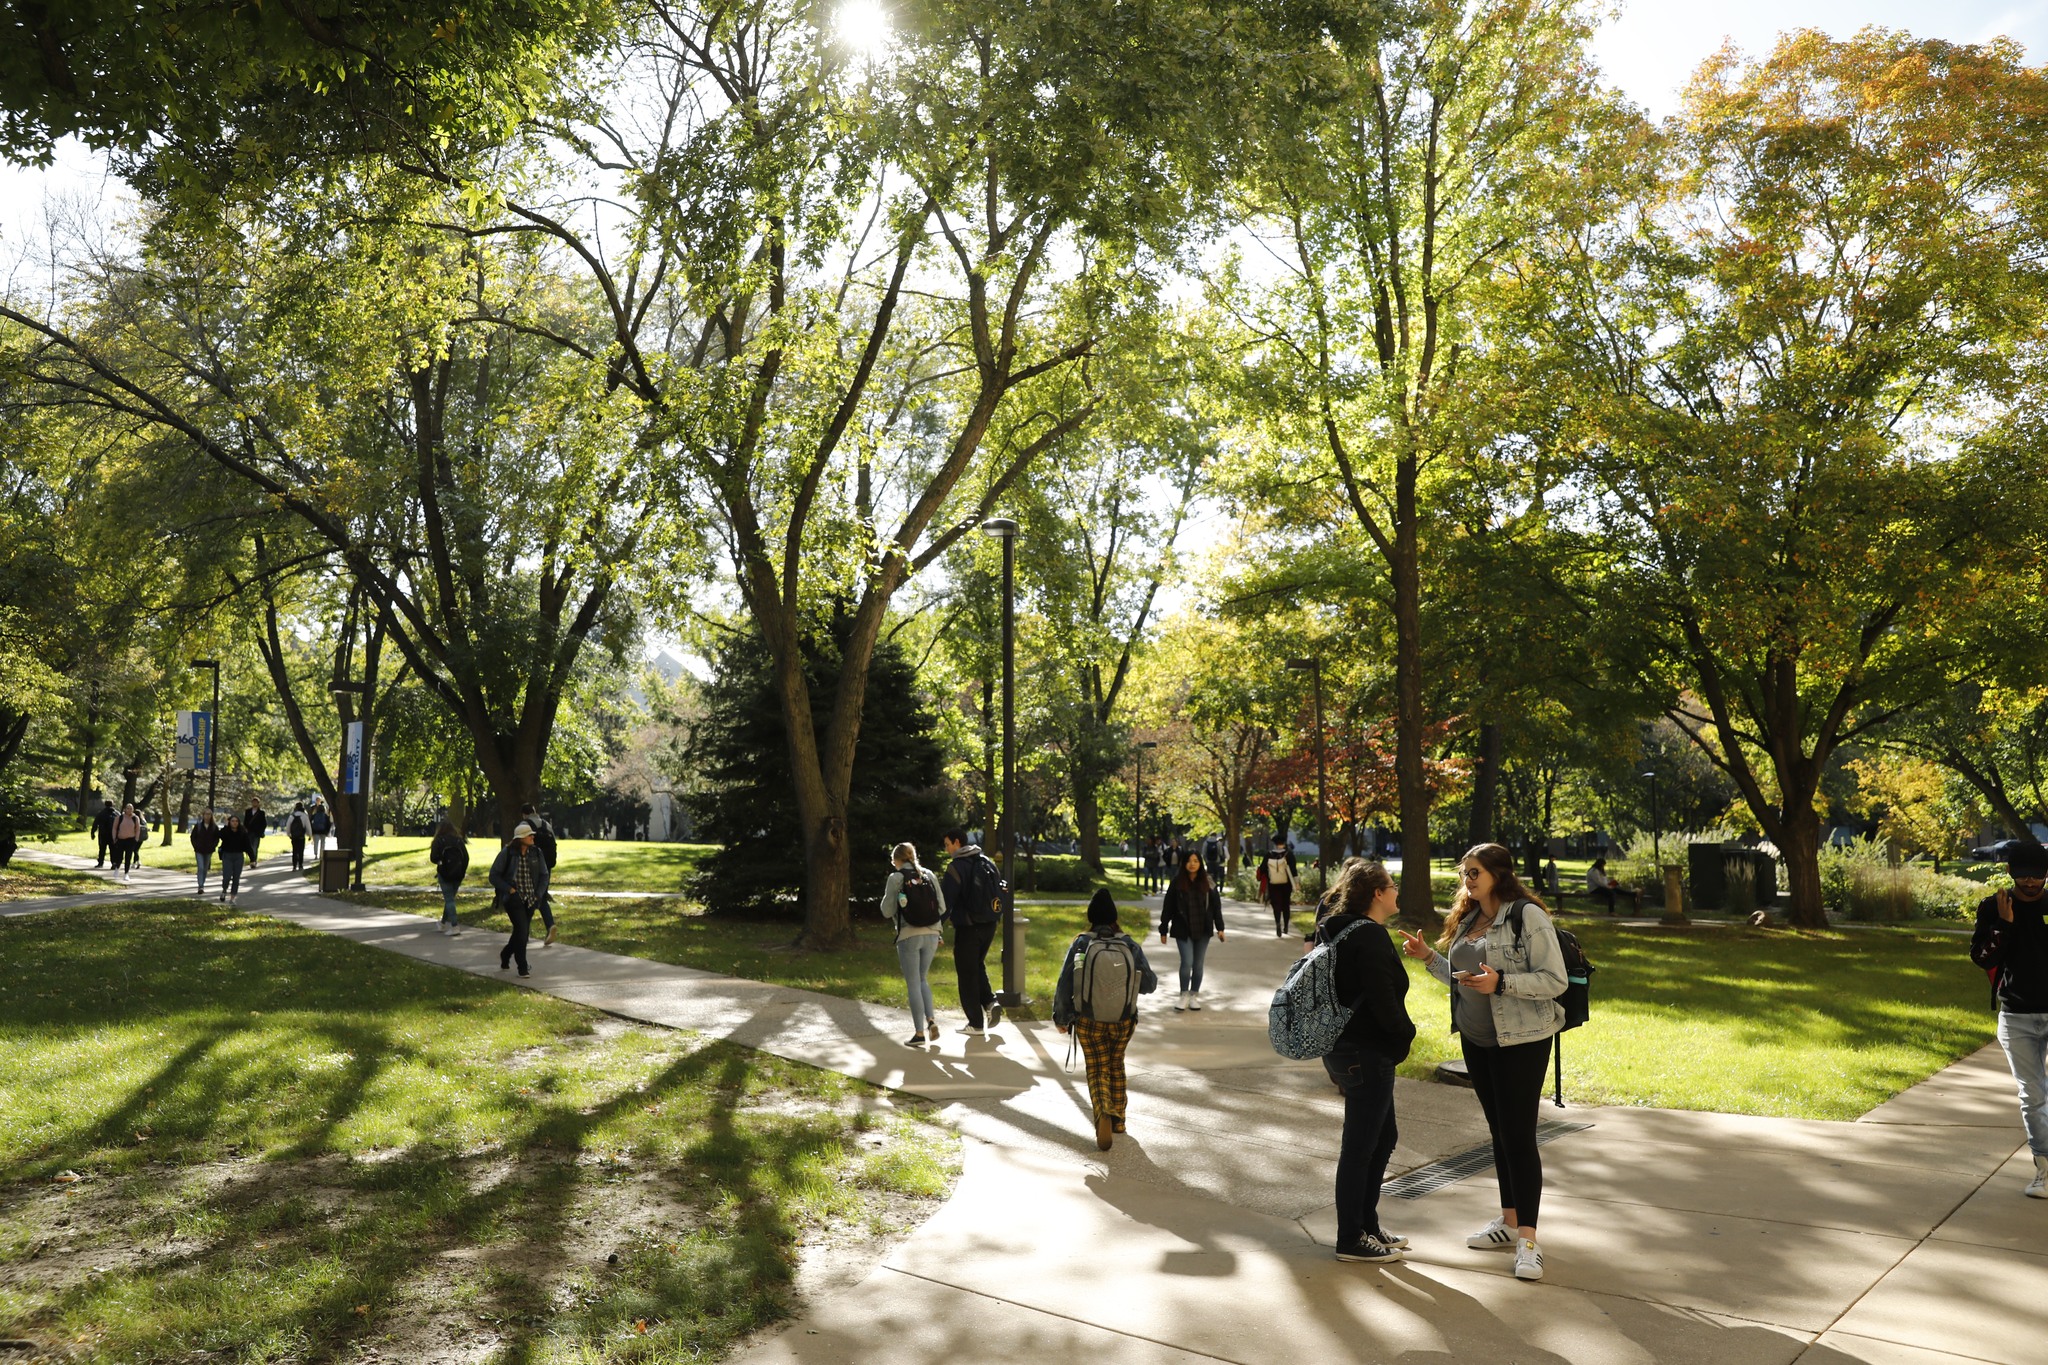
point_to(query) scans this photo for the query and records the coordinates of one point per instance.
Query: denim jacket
(1525, 1008)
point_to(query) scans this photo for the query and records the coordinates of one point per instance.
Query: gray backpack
(1106, 986)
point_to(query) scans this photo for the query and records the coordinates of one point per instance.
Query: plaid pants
(1102, 1048)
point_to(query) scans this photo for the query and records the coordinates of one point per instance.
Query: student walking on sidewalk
(1500, 957)
(205, 839)
(254, 825)
(911, 900)
(322, 824)
(1375, 1040)
(520, 876)
(296, 828)
(973, 891)
(449, 853)
(2011, 942)
(544, 842)
(1189, 914)
(103, 832)
(1277, 876)
(234, 851)
(1104, 973)
(128, 830)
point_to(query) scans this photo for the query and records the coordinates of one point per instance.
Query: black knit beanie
(1101, 908)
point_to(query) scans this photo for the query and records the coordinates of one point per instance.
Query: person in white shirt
(1601, 887)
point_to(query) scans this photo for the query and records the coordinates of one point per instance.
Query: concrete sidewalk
(1669, 1236)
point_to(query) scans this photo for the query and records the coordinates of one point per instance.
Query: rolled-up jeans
(2025, 1040)
(915, 955)
(448, 890)
(205, 866)
(1192, 951)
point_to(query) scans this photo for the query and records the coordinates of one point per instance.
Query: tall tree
(1796, 362)
(1454, 130)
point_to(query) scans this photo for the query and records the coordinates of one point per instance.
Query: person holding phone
(1500, 957)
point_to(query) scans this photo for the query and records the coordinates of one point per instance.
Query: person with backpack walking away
(254, 825)
(1190, 913)
(973, 890)
(205, 838)
(520, 877)
(128, 832)
(1501, 959)
(1277, 876)
(234, 850)
(321, 824)
(103, 832)
(544, 841)
(296, 828)
(1374, 1040)
(449, 853)
(1104, 973)
(911, 900)
(2011, 944)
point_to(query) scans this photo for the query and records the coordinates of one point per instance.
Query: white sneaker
(1181, 1003)
(971, 1031)
(2037, 1188)
(1495, 1236)
(456, 932)
(1194, 1000)
(1528, 1260)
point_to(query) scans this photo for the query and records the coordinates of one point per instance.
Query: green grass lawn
(292, 1147)
(1812, 1025)
(24, 880)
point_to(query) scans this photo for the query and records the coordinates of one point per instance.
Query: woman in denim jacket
(1504, 988)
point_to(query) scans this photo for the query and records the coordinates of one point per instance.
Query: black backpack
(981, 889)
(544, 840)
(919, 906)
(1578, 972)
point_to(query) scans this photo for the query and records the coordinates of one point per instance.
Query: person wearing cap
(1103, 1042)
(2011, 943)
(519, 874)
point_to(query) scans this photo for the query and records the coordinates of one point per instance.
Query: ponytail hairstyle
(1507, 889)
(1352, 892)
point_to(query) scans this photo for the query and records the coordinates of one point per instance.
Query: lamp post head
(1002, 528)
(206, 663)
(1304, 665)
(1148, 744)
(1647, 772)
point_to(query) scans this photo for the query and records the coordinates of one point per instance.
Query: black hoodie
(1371, 978)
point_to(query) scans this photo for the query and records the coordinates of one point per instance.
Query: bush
(1858, 881)
(1056, 872)
(1636, 864)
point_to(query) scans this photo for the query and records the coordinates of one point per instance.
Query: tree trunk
(86, 785)
(1485, 783)
(1088, 825)
(1418, 900)
(184, 809)
(1800, 844)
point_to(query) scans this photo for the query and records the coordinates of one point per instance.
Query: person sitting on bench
(1601, 887)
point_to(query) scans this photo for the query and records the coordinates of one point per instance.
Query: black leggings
(1509, 1081)
(1281, 898)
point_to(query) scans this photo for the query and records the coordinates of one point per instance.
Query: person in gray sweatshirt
(913, 902)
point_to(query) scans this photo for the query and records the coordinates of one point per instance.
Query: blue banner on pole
(195, 740)
(352, 759)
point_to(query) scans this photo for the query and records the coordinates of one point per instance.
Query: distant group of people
(1161, 859)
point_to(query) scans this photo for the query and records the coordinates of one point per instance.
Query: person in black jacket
(1189, 913)
(235, 848)
(255, 824)
(2011, 942)
(972, 889)
(205, 839)
(1375, 1040)
(103, 832)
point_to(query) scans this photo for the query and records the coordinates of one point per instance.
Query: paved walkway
(1900, 1239)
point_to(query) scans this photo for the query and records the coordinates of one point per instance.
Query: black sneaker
(1392, 1239)
(1370, 1249)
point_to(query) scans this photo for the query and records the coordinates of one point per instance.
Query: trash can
(334, 868)
(1018, 937)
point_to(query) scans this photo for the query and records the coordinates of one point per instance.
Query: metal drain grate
(1437, 1174)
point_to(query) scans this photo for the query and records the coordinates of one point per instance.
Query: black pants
(1367, 1080)
(1509, 1082)
(1608, 894)
(971, 943)
(522, 925)
(547, 917)
(106, 846)
(126, 852)
(1281, 898)
(298, 853)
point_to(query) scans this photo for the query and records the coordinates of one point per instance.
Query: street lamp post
(212, 734)
(1314, 668)
(1138, 813)
(1656, 822)
(1005, 530)
(340, 689)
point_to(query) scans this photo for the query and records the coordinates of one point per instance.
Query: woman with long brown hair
(1189, 913)
(1375, 1040)
(1500, 957)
